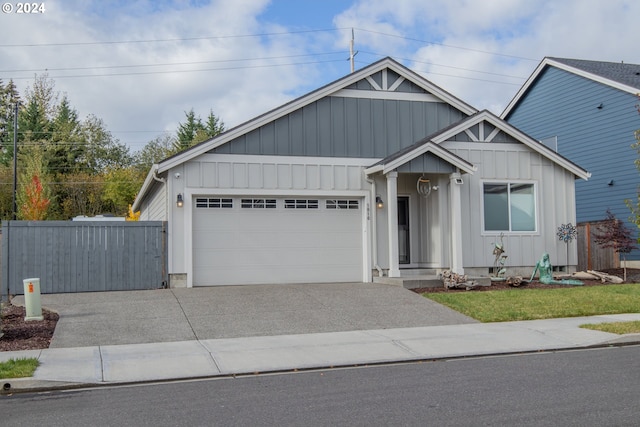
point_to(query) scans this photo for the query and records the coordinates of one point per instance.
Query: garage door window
(204, 202)
(300, 204)
(258, 203)
(342, 204)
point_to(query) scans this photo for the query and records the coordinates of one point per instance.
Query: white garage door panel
(246, 246)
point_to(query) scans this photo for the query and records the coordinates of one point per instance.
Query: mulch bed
(21, 335)
(633, 276)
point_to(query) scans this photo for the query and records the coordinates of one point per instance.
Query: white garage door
(240, 240)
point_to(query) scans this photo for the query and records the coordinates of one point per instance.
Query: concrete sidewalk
(132, 363)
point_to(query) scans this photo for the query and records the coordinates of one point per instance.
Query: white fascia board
(550, 62)
(525, 87)
(296, 160)
(373, 169)
(146, 186)
(594, 77)
(438, 151)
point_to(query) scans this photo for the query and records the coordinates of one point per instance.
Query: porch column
(392, 218)
(455, 185)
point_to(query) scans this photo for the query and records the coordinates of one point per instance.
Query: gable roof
(431, 144)
(327, 90)
(621, 76)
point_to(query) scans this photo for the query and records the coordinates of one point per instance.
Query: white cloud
(522, 32)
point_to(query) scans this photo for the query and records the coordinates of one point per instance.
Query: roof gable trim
(548, 62)
(386, 63)
(428, 147)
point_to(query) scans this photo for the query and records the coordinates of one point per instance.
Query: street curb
(31, 385)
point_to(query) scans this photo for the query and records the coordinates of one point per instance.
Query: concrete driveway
(165, 315)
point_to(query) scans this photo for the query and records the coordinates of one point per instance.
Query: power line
(446, 66)
(448, 45)
(140, 73)
(181, 39)
(103, 67)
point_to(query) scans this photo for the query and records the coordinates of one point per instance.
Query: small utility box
(32, 299)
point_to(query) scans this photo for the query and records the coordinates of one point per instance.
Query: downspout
(165, 281)
(166, 191)
(374, 238)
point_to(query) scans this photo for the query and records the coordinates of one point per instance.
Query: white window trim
(510, 232)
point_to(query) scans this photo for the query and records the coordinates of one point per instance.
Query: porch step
(424, 281)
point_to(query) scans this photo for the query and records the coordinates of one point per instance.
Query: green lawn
(531, 304)
(632, 327)
(18, 368)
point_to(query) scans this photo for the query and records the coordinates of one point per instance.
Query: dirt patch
(21, 335)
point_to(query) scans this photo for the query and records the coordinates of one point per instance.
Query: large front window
(509, 207)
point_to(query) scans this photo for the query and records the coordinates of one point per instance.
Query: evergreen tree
(193, 131)
(9, 98)
(188, 131)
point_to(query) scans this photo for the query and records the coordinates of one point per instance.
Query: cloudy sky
(140, 64)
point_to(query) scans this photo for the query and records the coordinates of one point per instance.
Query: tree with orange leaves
(36, 203)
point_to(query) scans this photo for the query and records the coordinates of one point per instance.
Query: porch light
(379, 202)
(179, 201)
(423, 186)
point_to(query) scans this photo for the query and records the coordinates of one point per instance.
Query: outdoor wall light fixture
(379, 202)
(423, 186)
(179, 201)
(601, 106)
(610, 183)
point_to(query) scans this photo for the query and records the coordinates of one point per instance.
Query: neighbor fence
(84, 256)
(590, 255)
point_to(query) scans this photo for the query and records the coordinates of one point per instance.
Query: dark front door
(403, 230)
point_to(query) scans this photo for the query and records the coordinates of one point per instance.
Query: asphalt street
(569, 388)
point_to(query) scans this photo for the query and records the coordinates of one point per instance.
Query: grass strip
(620, 328)
(533, 304)
(18, 368)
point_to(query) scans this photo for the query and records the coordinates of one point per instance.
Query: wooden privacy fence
(83, 256)
(590, 255)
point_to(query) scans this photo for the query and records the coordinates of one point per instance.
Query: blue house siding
(346, 127)
(565, 105)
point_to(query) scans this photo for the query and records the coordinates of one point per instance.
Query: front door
(403, 230)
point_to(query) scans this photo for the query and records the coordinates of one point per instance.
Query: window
(342, 204)
(258, 203)
(509, 207)
(203, 202)
(300, 204)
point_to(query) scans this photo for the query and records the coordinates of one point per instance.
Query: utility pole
(351, 53)
(15, 161)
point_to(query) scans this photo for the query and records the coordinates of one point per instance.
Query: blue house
(587, 112)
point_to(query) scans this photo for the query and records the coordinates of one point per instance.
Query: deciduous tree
(612, 233)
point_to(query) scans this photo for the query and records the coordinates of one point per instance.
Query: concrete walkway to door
(166, 315)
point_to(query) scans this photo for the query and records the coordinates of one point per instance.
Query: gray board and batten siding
(83, 256)
(338, 126)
